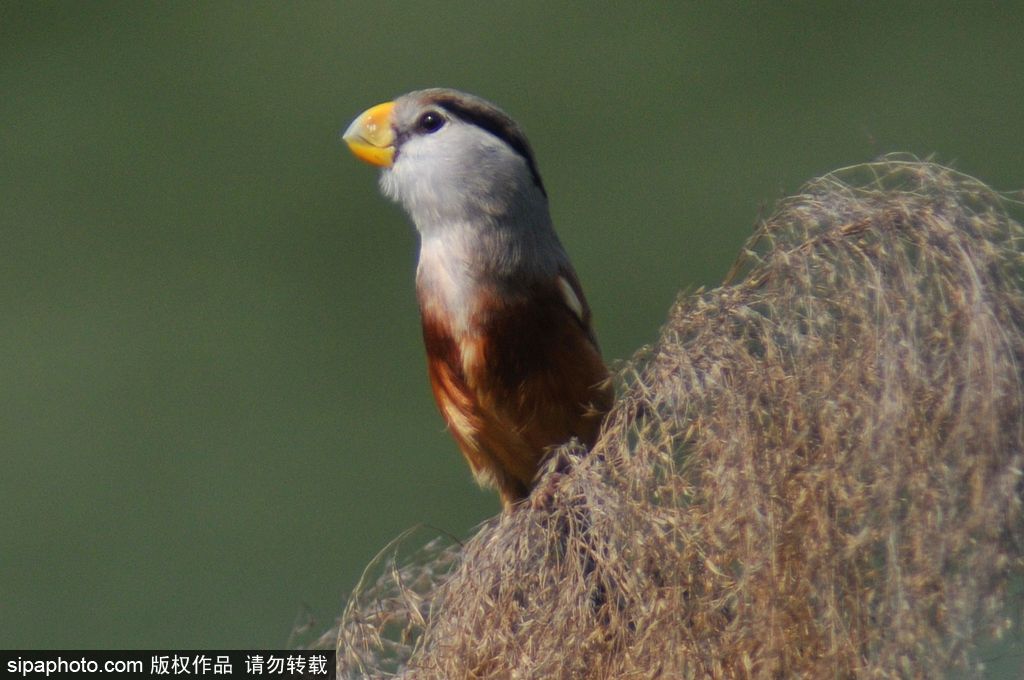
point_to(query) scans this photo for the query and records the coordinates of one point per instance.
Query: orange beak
(371, 138)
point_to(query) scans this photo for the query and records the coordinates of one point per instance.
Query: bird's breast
(447, 287)
(454, 319)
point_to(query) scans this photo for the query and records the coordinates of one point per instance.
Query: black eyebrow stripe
(499, 125)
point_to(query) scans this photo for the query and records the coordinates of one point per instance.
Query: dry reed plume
(815, 472)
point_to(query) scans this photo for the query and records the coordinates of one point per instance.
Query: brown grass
(814, 472)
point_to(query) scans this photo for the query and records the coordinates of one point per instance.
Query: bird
(512, 357)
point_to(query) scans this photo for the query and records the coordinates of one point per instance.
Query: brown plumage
(527, 377)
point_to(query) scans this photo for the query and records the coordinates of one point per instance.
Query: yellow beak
(370, 136)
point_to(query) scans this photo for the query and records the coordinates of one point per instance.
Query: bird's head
(451, 158)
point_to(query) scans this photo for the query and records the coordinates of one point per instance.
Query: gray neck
(500, 250)
(461, 262)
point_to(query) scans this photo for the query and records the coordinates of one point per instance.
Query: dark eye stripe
(499, 125)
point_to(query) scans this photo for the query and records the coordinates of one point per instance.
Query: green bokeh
(213, 401)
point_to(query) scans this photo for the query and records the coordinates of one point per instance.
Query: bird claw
(543, 495)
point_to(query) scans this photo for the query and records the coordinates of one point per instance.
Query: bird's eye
(431, 121)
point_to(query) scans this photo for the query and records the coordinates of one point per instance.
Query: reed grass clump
(816, 471)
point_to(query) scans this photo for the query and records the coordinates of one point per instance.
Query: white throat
(447, 277)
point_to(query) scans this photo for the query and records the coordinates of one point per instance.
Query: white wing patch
(572, 301)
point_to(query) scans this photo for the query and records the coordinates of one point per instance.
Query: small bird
(513, 361)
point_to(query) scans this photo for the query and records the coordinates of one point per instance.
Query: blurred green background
(214, 408)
